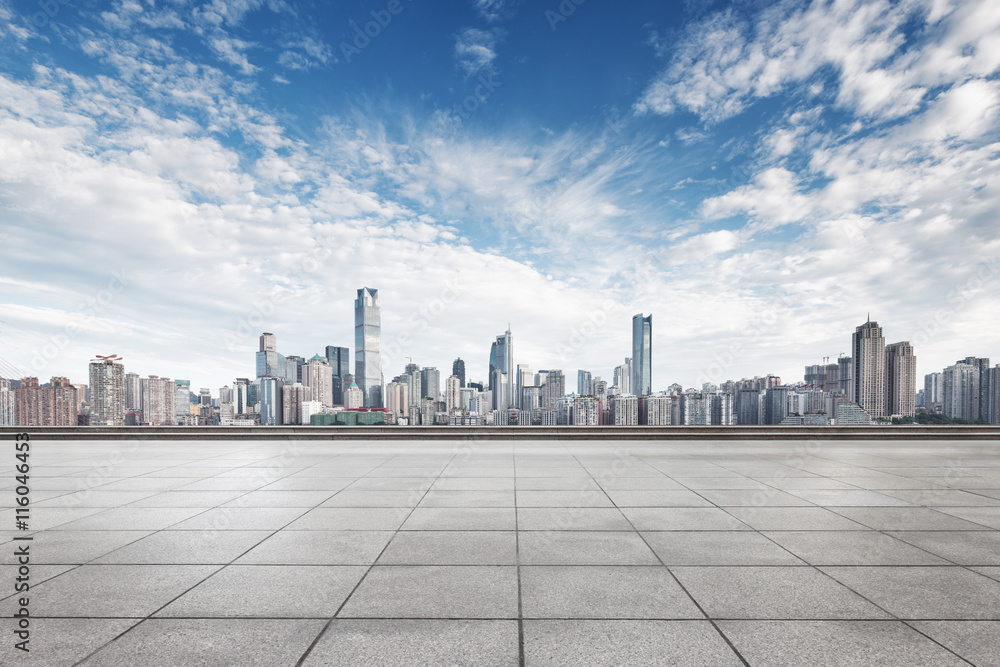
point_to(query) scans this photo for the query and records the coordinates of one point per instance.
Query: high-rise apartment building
(900, 380)
(133, 392)
(54, 404)
(317, 376)
(584, 383)
(960, 391)
(158, 398)
(458, 370)
(983, 365)
(868, 349)
(367, 346)
(553, 389)
(107, 391)
(642, 355)
(992, 415)
(397, 396)
(293, 396)
(932, 392)
(453, 399)
(625, 410)
(354, 398)
(8, 402)
(340, 366)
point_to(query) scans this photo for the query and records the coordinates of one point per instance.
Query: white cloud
(475, 50)
(723, 63)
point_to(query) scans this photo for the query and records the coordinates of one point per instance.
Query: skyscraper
(502, 361)
(932, 392)
(983, 364)
(430, 382)
(340, 365)
(318, 377)
(158, 401)
(960, 391)
(868, 374)
(458, 370)
(107, 391)
(367, 346)
(452, 393)
(269, 362)
(583, 383)
(900, 380)
(553, 389)
(642, 353)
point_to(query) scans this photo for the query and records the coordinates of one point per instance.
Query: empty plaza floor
(555, 552)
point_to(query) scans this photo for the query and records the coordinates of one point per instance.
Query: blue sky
(176, 177)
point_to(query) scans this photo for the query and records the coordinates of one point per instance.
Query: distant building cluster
(876, 383)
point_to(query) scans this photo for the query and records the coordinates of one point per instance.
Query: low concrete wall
(473, 433)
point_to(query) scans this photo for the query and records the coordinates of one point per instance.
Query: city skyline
(716, 373)
(181, 177)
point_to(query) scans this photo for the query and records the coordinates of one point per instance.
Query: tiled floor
(496, 553)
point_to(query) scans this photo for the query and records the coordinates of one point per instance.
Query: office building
(182, 400)
(340, 366)
(642, 353)
(502, 381)
(458, 370)
(367, 346)
(271, 397)
(584, 384)
(430, 383)
(900, 380)
(623, 377)
(868, 349)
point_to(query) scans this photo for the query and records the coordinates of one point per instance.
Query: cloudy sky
(178, 176)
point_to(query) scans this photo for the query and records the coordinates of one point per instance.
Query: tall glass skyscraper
(642, 355)
(339, 359)
(367, 345)
(502, 362)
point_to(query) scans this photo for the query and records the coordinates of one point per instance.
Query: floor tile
(408, 642)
